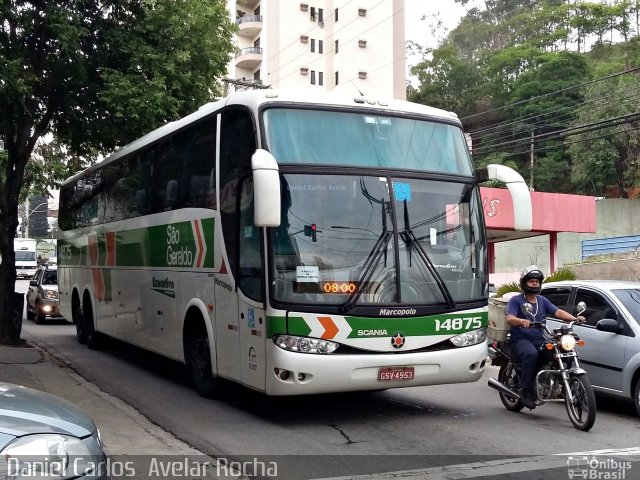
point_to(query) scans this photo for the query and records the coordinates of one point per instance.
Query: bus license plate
(395, 373)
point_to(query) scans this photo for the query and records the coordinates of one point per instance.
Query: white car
(42, 296)
(611, 354)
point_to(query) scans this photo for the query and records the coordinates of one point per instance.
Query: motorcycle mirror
(527, 306)
(582, 307)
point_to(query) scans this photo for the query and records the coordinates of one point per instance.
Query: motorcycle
(559, 378)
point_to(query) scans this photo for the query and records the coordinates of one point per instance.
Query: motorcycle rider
(526, 341)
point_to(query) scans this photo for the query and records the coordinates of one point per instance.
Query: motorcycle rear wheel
(509, 377)
(582, 412)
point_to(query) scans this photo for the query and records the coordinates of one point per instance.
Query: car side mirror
(608, 325)
(33, 283)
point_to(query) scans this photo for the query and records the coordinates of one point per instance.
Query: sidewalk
(124, 430)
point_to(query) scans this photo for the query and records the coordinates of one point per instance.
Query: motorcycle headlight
(305, 344)
(568, 342)
(55, 457)
(467, 339)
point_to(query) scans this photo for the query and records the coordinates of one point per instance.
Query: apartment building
(351, 46)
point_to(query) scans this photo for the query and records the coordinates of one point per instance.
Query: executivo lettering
(388, 312)
(165, 283)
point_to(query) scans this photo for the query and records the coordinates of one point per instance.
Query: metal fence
(603, 246)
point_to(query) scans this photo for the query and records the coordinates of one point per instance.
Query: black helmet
(532, 271)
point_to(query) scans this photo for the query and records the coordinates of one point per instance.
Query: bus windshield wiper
(370, 264)
(410, 239)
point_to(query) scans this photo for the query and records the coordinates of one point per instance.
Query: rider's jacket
(542, 308)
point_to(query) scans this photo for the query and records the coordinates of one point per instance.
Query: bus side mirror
(266, 189)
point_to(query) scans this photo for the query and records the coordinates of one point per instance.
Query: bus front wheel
(199, 357)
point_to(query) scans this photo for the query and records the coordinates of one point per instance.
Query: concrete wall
(622, 269)
(614, 217)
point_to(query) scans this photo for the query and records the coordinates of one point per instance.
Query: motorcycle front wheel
(582, 412)
(509, 377)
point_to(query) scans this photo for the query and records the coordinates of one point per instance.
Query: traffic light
(310, 231)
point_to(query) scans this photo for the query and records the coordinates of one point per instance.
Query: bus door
(252, 320)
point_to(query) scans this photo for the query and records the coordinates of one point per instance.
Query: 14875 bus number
(458, 323)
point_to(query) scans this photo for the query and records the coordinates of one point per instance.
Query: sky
(419, 31)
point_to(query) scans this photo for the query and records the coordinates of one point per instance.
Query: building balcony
(249, 57)
(249, 25)
(248, 4)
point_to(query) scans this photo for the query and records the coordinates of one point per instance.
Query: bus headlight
(305, 344)
(472, 337)
(568, 342)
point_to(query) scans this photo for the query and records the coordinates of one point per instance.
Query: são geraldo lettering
(177, 255)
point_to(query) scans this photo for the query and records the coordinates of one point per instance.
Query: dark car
(42, 296)
(611, 354)
(43, 436)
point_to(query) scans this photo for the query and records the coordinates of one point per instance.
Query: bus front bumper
(292, 373)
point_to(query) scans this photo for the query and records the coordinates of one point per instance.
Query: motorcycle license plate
(392, 374)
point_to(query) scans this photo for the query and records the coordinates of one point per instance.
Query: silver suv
(42, 296)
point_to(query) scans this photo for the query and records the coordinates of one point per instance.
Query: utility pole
(531, 160)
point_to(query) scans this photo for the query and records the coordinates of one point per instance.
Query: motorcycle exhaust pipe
(493, 383)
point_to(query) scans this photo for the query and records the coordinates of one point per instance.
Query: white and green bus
(289, 245)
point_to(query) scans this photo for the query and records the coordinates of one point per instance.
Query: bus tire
(94, 339)
(81, 333)
(199, 361)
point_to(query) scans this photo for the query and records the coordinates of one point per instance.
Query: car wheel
(30, 315)
(636, 396)
(40, 317)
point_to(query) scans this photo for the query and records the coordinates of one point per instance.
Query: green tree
(609, 156)
(96, 74)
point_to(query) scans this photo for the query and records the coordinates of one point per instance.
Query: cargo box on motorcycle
(498, 327)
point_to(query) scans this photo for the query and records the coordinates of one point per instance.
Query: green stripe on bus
(297, 326)
(162, 246)
(276, 325)
(443, 324)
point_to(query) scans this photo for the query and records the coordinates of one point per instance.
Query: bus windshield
(371, 240)
(365, 139)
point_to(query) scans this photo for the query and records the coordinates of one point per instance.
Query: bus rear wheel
(94, 339)
(199, 360)
(78, 319)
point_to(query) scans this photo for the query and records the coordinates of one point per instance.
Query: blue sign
(402, 191)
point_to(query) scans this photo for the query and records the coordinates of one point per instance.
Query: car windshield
(630, 298)
(50, 277)
(372, 240)
(25, 255)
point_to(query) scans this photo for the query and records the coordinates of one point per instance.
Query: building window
(320, 16)
(362, 43)
(320, 46)
(362, 74)
(320, 78)
(362, 12)
(313, 45)
(257, 43)
(313, 77)
(336, 43)
(304, 38)
(304, 71)
(256, 75)
(304, 7)
(337, 75)
(335, 15)
(312, 14)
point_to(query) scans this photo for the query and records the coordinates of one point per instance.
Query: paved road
(361, 433)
